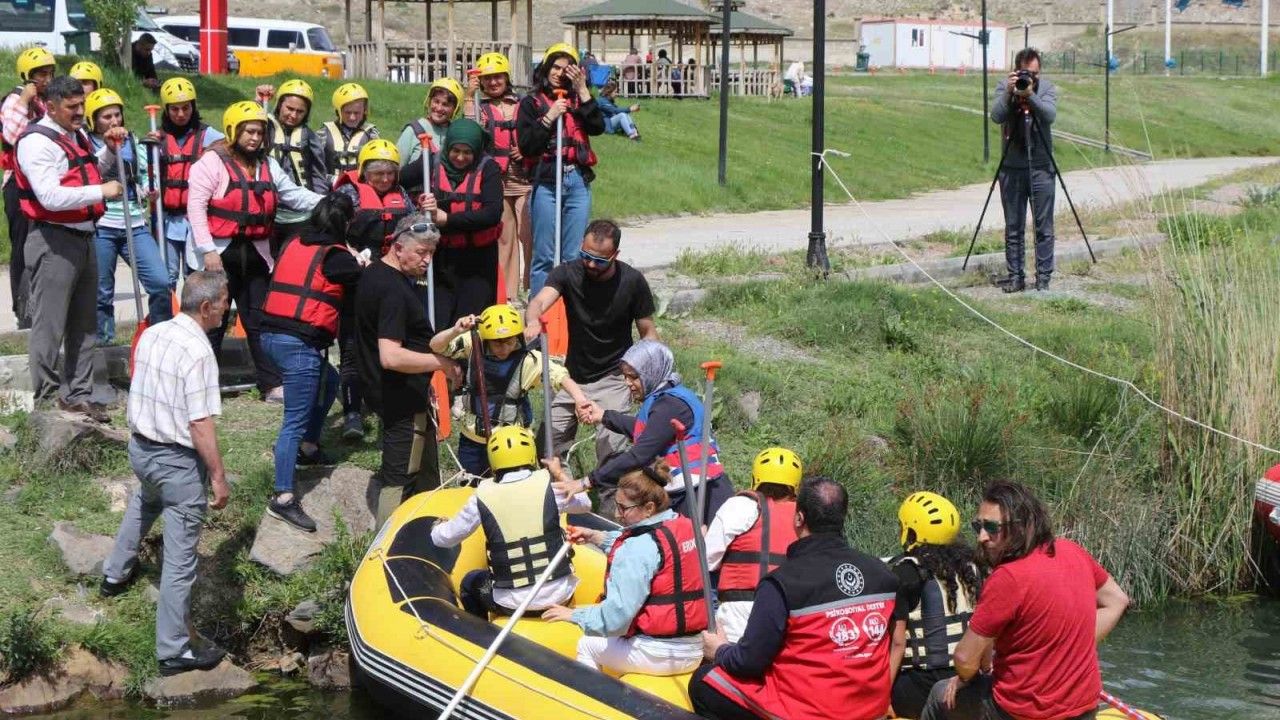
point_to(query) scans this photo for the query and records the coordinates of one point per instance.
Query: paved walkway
(659, 242)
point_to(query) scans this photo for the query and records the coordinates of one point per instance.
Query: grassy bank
(903, 137)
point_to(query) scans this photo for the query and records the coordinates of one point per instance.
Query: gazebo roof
(741, 24)
(637, 12)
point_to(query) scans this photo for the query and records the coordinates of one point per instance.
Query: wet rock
(83, 553)
(341, 490)
(151, 592)
(749, 403)
(79, 673)
(330, 670)
(118, 491)
(73, 610)
(302, 618)
(58, 433)
(189, 688)
(876, 445)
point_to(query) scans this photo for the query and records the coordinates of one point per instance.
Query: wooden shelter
(747, 29)
(682, 24)
(426, 60)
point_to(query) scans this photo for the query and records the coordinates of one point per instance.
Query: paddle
(698, 540)
(710, 366)
(439, 384)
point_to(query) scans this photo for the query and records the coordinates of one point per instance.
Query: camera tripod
(1029, 125)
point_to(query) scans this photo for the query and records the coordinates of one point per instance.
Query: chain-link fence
(1186, 62)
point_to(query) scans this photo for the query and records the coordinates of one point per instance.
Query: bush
(28, 644)
(1191, 230)
(1079, 409)
(956, 438)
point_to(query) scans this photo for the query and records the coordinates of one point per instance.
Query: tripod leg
(990, 191)
(1066, 193)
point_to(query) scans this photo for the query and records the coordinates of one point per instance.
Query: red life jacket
(377, 215)
(756, 552)
(301, 292)
(176, 158)
(503, 133)
(675, 606)
(465, 197)
(576, 148)
(248, 209)
(82, 171)
(35, 111)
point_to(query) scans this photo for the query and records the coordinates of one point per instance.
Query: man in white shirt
(60, 189)
(173, 399)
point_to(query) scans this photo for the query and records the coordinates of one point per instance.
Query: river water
(1186, 661)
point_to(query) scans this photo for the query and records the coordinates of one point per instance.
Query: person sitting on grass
(510, 371)
(617, 118)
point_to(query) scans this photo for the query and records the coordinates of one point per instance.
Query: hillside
(472, 18)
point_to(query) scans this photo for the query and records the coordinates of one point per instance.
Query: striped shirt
(175, 381)
(14, 118)
(137, 187)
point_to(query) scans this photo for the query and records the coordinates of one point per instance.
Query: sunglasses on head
(594, 260)
(991, 526)
(421, 227)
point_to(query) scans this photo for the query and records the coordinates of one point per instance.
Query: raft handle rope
(1123, 383)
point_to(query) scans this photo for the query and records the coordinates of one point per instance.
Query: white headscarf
(655, 365)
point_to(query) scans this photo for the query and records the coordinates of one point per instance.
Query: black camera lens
(1023, 81)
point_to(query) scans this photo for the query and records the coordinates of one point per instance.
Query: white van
(62, 27)
(267, 47)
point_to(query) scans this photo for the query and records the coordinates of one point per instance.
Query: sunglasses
(595, 260)
(991, 526)
(421, 227)
(623, 508)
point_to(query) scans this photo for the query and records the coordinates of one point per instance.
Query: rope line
(1123, 383)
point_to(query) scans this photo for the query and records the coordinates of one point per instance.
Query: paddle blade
(557, 330)
(440, 391)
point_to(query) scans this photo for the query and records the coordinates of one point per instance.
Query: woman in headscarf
(466, 204)
(648, 368)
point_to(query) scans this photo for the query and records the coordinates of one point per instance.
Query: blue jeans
(473, 456)
(576, 212)
(622, 121)
(110, 243)
(310, 386)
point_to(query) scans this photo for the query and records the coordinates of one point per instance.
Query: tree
(114, 21)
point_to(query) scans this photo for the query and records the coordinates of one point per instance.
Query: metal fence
(1186, 62)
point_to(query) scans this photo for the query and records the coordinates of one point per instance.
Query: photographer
(1026, 175)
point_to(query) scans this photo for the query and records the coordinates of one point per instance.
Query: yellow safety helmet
(378, 149)
(493, 63)
(499, 322)
(85, 70)
(240, 113)
(512, 446)
(348, 93)
(777, 465)
(99, 99)
(454, 88)
(565, 48)
(296, 87)
(927, 518)
(33, 59)
(177, 90)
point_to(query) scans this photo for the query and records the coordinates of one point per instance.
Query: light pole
(726, 11)
(816, 257)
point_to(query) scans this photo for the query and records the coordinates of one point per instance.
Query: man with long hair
(1043, 611)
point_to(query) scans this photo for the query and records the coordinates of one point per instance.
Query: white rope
(822, 163)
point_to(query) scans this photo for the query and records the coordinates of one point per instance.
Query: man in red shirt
(1043, 611)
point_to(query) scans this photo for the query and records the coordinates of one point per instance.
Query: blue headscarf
(655, 365)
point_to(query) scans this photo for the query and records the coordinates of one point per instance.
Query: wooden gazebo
(683, 24)
(423, 61)
(747, 29)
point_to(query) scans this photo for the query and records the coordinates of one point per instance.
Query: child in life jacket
(350, 129)
(652, 613)
(501, 378)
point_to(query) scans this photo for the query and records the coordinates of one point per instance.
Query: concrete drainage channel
(680, 295)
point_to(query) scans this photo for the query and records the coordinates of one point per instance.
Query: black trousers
(710, 703)
(912, 687)
(350, 389)
(282, 233)
(1018, 187)
(975, 701)
(19, 283)
(466, 282)
(409, 454)
(247, 279)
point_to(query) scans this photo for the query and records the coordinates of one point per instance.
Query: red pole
(213, 37)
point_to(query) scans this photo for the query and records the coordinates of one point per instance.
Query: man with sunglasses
(603, 298)
(1043, 611)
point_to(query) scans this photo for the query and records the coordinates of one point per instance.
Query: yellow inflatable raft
(413, 645)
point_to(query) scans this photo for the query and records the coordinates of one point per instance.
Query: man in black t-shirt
(603, 298)
(393, 353)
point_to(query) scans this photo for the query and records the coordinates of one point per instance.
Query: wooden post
(346, 22)
(604, 46)
(528, 23)
(755, 52)
(383, 66)
(368, 20)
(653, 68)
(514, 37)
(742, 66)
(448, 62)
(493, 20)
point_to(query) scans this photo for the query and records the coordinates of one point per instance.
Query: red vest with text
(675, 605)
(299, 290)
(176, 159)
(376, 216)
(503, 133)
(758, 551)
(35, 111)
(248, 209)
(834, 660)
(576, 147)
(465, 197)
(693, 436)
(82, 171)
